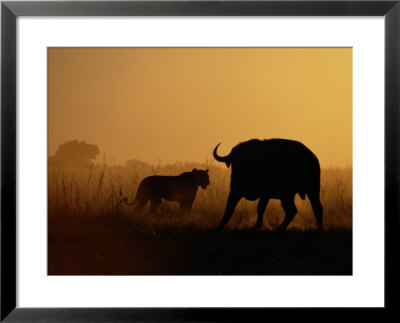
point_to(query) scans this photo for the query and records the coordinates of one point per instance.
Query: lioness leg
(155, 204)
(186, 206)
(140, 203)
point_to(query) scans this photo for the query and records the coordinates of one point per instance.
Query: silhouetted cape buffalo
(272, 169)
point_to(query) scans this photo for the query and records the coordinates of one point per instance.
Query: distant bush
(74, 154)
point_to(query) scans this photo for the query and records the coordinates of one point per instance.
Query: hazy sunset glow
(176, 104)
(134, 189)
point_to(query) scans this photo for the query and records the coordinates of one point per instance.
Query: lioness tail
(125, 199)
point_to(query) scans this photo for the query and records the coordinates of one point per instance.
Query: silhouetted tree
(74, 154)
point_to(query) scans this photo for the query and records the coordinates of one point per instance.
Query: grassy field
(90, 232)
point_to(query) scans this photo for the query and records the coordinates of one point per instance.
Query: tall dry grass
(97, 191)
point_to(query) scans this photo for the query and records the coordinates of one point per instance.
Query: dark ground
(117, 245)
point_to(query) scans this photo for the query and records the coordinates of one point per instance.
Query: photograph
(200, 161)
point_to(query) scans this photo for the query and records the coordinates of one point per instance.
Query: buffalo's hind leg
(233, 199)
(290, 211)
(262, 204)
(317, 209)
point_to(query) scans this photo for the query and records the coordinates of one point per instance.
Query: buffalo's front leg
(233, 199)
(262, 204)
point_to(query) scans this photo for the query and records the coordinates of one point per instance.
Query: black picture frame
(10, 10)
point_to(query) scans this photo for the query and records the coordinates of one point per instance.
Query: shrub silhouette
(74, 154)
(139, 166)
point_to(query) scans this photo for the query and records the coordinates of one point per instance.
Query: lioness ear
(194, 170)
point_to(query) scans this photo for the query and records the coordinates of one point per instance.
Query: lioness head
(201, 177)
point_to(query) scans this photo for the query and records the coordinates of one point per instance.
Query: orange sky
(176, 104)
